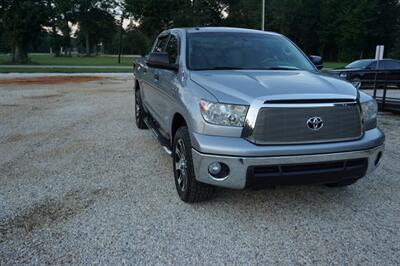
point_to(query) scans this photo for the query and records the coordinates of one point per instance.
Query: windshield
(250, 51)
(360, 64)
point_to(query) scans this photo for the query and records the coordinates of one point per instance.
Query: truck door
(392, 69)
(168, 84)
(150, 81)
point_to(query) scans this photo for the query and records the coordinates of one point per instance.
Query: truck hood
(243, 86)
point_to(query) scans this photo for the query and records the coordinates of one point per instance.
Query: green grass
(331, 65)
(64, 70)
(104, 60)
(42, 59)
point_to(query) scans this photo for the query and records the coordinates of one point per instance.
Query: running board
(158, 137)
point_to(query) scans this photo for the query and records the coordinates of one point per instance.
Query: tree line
(341, 30)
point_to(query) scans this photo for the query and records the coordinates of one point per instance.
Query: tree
(245, 14)
(154, 16)
(63, 14)
(22, 22)
(95, 20)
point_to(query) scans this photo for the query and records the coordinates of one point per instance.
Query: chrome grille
(287, 123)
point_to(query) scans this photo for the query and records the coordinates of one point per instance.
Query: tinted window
(381, 65)
(173, 49)
(361, 64)
(233, 50)
(390, 64)
(160, 45)
(374, 66)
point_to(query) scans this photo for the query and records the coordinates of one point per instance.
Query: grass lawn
(330, 65)
(103, 60)
(64, 70)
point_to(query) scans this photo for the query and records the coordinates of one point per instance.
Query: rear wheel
(188, 188)
(344, 183)
(139, 111)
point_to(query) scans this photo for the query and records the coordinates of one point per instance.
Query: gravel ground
(79, 184)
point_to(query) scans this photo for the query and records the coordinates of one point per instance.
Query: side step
(158, 137)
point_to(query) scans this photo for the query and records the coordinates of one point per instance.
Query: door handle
(157, 77)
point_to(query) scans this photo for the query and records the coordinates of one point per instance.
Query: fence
(386, 91)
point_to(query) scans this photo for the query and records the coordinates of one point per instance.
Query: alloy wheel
(181, 167)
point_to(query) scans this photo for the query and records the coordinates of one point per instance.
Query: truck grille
(287, 124)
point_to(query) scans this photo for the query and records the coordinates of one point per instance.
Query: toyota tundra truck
(239, 108)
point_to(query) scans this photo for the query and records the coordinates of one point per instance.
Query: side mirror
(161, 60)
(317, 61)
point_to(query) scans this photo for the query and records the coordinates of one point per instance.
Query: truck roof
(221, 29)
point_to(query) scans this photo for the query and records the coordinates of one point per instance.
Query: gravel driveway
(79, 184)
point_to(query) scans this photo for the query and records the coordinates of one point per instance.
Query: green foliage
(96, 22)
(134, 42)
(337, 29)
(22, 21)
(155, 16)
(395, 52)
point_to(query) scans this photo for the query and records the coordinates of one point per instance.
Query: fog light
(215, 168)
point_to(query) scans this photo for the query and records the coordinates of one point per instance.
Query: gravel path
(79, 184)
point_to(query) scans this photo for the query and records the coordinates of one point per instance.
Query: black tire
(188, 188)
(344, 183)
(140, 114)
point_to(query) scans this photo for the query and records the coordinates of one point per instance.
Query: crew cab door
(374, 72)
(150, 81)
(167, 84)
(392, 70)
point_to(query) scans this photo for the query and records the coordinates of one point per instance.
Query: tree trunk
(20, 54)
(87, 44)
(67, 35)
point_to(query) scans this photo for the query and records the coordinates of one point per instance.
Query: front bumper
(239, 164)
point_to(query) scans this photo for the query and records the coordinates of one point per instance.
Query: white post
(263, 16)
(380, 49)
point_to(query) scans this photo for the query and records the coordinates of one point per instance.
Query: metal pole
(384, 98)
(120, 38)
(263, 16)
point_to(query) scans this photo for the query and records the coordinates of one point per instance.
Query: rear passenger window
(160, 45)
(173, 49)
(392, 65)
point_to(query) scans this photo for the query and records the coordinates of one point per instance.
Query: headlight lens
(343, 75)
(223, 114)
(370, 110)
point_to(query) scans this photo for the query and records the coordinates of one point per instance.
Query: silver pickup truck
(240, 108)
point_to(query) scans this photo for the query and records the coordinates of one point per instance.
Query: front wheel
(188, 188)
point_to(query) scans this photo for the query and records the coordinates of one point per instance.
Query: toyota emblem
(315, 123)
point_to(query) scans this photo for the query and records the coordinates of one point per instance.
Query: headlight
(369, 110)
(343, 75)
(223, 114)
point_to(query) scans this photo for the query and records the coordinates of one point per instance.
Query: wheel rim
(180, 165)
(137, 106)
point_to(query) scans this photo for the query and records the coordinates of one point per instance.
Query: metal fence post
(384, 96)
